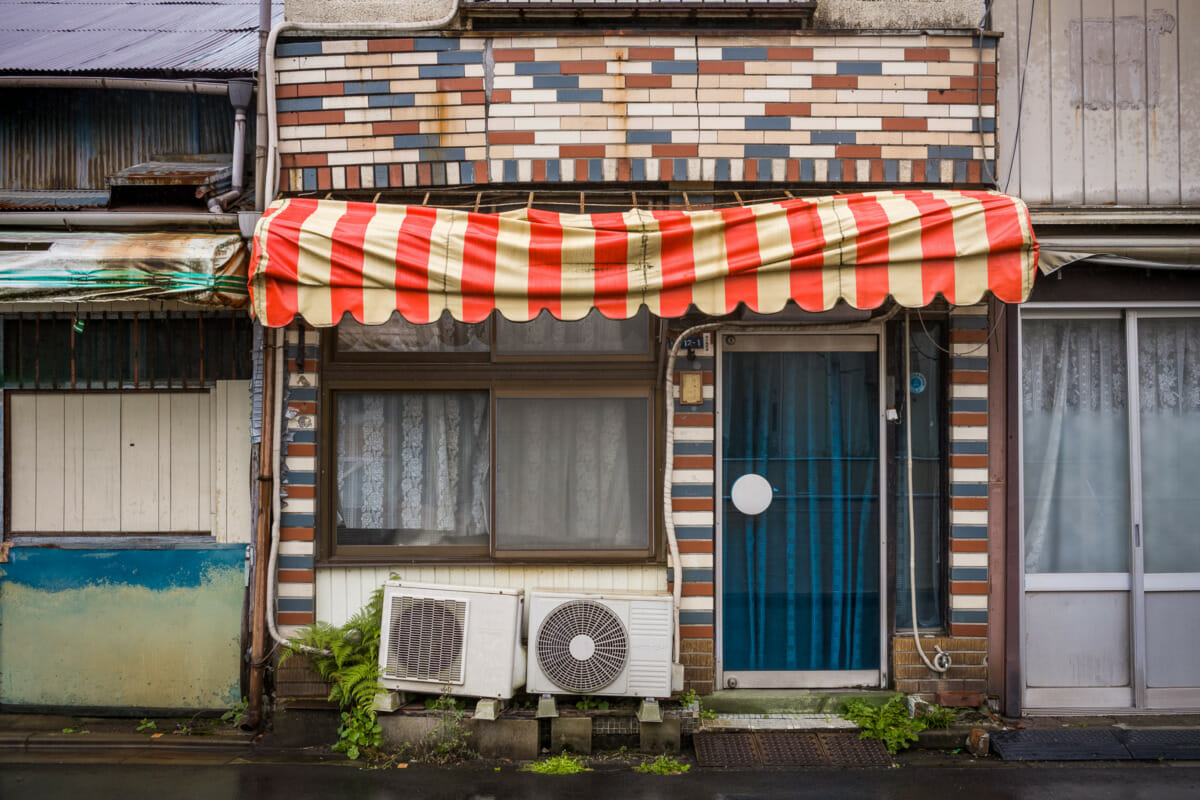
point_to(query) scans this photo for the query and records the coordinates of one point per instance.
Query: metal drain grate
(726, 750)
(847, 750)
(789, 749)
(1099, 744)
(1155, 743)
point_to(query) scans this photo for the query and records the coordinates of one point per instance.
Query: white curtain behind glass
(414, 465)
(571, 473)
(1169, 388)
(1076, 445)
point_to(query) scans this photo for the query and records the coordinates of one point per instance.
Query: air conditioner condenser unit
(465, 640)
(600, 643)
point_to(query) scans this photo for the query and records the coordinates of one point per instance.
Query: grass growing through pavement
(564, 764)
(663, 765)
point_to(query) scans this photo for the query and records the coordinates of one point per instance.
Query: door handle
(1137, 534)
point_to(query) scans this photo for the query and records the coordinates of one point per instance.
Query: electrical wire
(1020, 96)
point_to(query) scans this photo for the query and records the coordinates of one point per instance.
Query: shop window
(491, 440)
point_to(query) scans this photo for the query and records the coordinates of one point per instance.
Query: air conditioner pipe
(669, 455)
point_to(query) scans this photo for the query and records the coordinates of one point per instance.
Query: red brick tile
(581, 151)
(424, 173)
(793, 170)
(319, 89)
(918, 171)
(392, 128)
(624, 169)
(905, 124)
(968, 545)
(877, 170)
(835, 82)
(968, 629)
(581, 170)
(296, 618)
(693, 462)
(395, 174)
(939, 96)
(694, 420)
(695, 545)
(511, 137)
(675, 150)
(706, 377)
(971, 83)
(481, 172)
(539, 169)
(648, 81)
(857, 151)
(502, 95)
(926, 54)
(460, 84)
(296, 534)
(286, 91)
(968, 418)
(310, 159)
(751, 169)
(965, 461)
(295, 576)
(969, 503)
(695, 631)
(975, 171)
(651, 54)
(335, 117)
(473, 98)
(389, 45)
(697, 589)
(692, 503)
(968, 587)
(352, 174)
(788, 109)
(722, 67)
(968, 376)
(789, 53)
(519, 54)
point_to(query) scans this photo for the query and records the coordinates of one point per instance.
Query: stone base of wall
(966, 678)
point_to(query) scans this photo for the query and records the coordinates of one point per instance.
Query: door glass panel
(1076, 445)
(801, 580)
(1169, 388)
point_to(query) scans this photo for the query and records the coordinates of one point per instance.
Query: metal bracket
(650, 711)
(547, 707)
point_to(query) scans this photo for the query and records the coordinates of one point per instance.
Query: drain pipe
(941, 661)
(240, 92)
(271, 176)
(262, 534)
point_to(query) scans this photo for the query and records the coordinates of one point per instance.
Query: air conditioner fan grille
(598, 638)
(425, 639)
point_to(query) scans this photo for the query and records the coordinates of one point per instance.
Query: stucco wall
(367, 12)
(130, 629)
(898, 14)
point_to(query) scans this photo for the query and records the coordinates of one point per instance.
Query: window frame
(530, 375)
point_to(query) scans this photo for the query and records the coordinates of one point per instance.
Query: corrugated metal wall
(73, 138)
(1107, 94)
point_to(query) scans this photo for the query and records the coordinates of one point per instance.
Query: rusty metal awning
(200, 268)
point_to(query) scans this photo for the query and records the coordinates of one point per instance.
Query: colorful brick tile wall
(795, 109)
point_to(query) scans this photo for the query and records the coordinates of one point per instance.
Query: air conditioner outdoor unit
(600, 644)
(462, 639)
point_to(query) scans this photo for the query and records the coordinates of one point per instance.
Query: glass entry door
(1110, 418)
(799, 583)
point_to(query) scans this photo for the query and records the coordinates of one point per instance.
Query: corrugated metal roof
(176, 170)
(53, 200)
(73, 36)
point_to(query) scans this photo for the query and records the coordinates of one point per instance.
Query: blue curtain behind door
(801, 580)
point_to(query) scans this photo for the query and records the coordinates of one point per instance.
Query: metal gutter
(136, 84)
(100, 220)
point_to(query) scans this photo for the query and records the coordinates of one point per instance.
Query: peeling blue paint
(52, 570)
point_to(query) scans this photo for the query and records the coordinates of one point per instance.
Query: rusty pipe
(262, 534)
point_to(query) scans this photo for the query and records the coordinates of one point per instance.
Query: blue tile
(681, 169)
(425, 44)
(989, 42)
(859, 68)
(539, 68)
(807, 169)
(768, 124)
(693, 448)
(381, 176)
(295, 604)
(596, 170)
(648, 137)
(969, 448)
(968, 489)
(978, 364)
(764, 170)
(723, 169)
(743, 53)
(310, 177)
(691, 490)
(296, 478)
(637, 169)
(556, 82)
(969, 574)
(367, 87)
(989, 125)
(580, 95)
(960, 172)
(695, 618)
(835, 168)
(766, 151)
(933, 171)
(968, 531)
(438, 173)
(300, 104)
(402, 100)
(510, 170)
(443, 154)
(693, 533)
(697, 575)
(288, 520)
(303, 437)
(969, 322)
(302, 395)
(466, 172)
(891, 170)
(295, 562)
(971, 404)
(673, 67)
(833, 137)
(441, 71)
(297, 49)
(414, 141)
(960, 615)
(552, 170)
(470, 57)
(707, 407)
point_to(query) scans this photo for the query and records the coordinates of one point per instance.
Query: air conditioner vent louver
(425, 640)
(582, 646)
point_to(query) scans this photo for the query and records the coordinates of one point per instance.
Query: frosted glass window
(595, 334)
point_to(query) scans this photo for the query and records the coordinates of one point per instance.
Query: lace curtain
(413, 468)
(1076, 443)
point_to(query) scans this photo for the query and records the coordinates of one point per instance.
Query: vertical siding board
(1163, 123)
(1067, 146)
(23, 441)
(235, 436)
(188, 427)
(101, 462)
(204, 468)
(49, 467)
(1099, 100)
(1035, 109)
(1132, 99)
(139, 463)
(220, 455)
(1189, 101)
(73, 471)
(163, 497)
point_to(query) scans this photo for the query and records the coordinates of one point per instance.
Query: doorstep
(801, 702)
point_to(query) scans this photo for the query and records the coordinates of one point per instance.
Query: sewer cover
(1155, 743)
(1059, 745)
(792, 750)
(726, 750)
(847, 750)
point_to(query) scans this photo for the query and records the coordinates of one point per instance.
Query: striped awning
(321, 259)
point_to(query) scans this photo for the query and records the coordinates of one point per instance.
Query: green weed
(562, 764)
(146, 725)
(889, 723)
(663, 765)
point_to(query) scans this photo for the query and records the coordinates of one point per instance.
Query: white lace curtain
(1076, 442)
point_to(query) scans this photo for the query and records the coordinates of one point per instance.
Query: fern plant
(347, 657)
(890, 722)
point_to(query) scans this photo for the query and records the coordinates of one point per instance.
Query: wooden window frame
(573, 375)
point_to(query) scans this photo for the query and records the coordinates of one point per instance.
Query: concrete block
(571, 733)
(292, 727)
(660, 737)
(502, 738)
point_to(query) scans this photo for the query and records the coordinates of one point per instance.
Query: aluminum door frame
(779, 341)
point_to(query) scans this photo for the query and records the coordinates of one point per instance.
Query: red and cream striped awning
(321, 259)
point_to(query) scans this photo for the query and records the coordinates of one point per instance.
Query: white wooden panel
(1162, 40)
(1099, 100)
(1008, 57)
(102, 462)
(1131, 91)
(204, 447)
(162, 502)
(341, 591)
(1066, 118)
(1188, 15)
(233, 438)
(1036, 130)
(73, 469)
(48, 468)
(187, 429)
(139, 462)
(23, 444)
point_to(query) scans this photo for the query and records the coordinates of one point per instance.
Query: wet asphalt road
(98, 781)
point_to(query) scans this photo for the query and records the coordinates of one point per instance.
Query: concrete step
(789, 701)
(813, 723)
